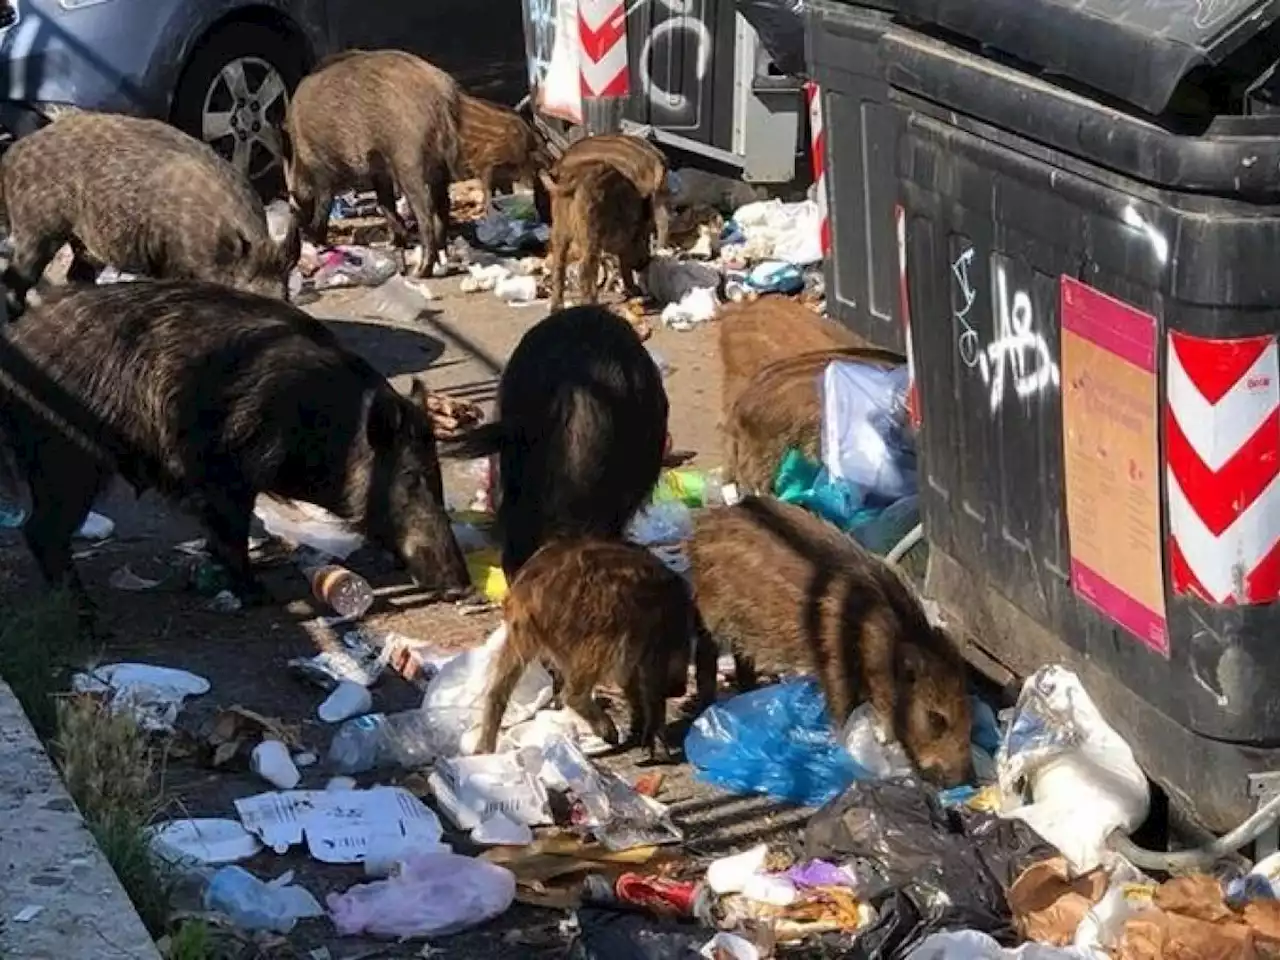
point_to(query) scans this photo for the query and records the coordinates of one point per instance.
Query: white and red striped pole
(818, 154)
(603, 67)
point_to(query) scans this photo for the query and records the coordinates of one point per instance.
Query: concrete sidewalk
(59, 899)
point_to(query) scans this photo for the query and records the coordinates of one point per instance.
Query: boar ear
(384, 420)
(418, 392)
(231, 249)
(910, 663)
(549, 182)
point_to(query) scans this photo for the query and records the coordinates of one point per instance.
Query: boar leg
(648, 711)
(486, 188)
(505, 674)
(313, 201)
(424, 200)
(589, 271)
(31, 255)
(225, 513)
(559, 255)
(629, 267)
(744, 672)
(578, 698)
(385, 189)
(63, 487)
(706, 676)
(661, 221)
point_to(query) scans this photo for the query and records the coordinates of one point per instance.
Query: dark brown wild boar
(756, 333)
(596, 610)
(140, 196)
(596, 211)
(498, 147)
(786, 591)
(213, 396)
(779, 408)
(579, 432)
(635, 158)
(379, 119)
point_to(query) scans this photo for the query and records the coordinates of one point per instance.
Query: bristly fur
(382, 119)
(213, 396)
(597, 610)
(141, 196)
(580, 430)
(498, 147)
(635, 158)
(788, 591)
(596, 211)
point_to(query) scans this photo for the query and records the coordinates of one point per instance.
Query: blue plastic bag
(777, 741)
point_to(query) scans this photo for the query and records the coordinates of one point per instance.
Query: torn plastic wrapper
(604, 803)
(471, 790)
(153, 695)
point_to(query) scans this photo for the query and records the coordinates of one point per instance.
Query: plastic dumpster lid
(1136, 50)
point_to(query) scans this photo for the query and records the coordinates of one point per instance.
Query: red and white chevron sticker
(904, 300)
(1222, 452)
(818, 154)
(602, 37)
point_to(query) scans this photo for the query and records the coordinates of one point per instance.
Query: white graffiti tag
(682, 21)
(1016, 349)
(969, 343)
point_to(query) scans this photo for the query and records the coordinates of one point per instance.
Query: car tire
(241, 55)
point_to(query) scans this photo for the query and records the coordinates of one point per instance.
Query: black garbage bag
(780, 24)
(943, 869)
(625, 935)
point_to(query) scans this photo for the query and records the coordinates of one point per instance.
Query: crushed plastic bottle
(347, 593)
(404, 739)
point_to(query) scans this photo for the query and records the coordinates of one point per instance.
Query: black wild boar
(380, 119)
(596, 211)
(138, 195)
(579, 434)
(635, 158)
(596, 610)
(788, 591)
(213, 396)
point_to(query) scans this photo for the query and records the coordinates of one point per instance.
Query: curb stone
(50, 865)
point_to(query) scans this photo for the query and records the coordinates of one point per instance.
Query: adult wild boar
(213, 396)
(141, 196)
(579, 434)
(379, 119)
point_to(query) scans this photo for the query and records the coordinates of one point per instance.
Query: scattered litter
(348, 699)
(271, 761)
(471, 790)
(668, 280)
(237, 727)
(501, 831)
(203, 840)
(1082, 777)
(808, 484)
(338, 825)
(154, 695)
(124, 578)
(661, 522)
(352, 266)
(305, 759)
(975, 945)
(775, 891)
(400, 299)
(433, 894)
(357, 660)
(730, 874)
(865, 437)
(224, 601)
(455, 697)
(451, 416)
(347, 593)
(252, 905)
(487, 576)
(305, 524)
(547, 725)
(341, 783)
(729, 946)
(774, 230)
(871, 747)
(387, 853)
(405, 739)
(517, 290)
(483, 277)
(696, 307)
(610, 934)
(776, 740)
(510, 225)
(604, 803)
(28, 913)
(110, 274)
(96, 527)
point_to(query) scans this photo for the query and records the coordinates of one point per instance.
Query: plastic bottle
(248, 902)
(404, 739)
(347, 593)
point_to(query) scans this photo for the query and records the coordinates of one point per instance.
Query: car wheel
(234, 93)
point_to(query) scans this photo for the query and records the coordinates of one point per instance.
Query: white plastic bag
(456, 695)
(871, 747)
(472, 790)
(782, 231)
(432, 895)
(154, 695)
(974, 945)
(863, 435)
(1083, 778)
(560, 94)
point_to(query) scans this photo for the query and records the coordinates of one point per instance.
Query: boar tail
(549, 183)
(482, 441)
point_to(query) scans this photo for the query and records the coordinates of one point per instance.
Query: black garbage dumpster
(1089, 197)
(841, 46)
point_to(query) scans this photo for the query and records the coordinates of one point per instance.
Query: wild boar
(596, 610)
(596, 211)
(213, 396)
(380, 119)
(498, 147)
(140, 196)
(579, 432)
(786, 590)
(635, 158)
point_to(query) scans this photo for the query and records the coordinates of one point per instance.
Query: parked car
(223, 70)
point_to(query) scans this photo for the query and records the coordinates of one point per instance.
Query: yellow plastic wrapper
(485, 568)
